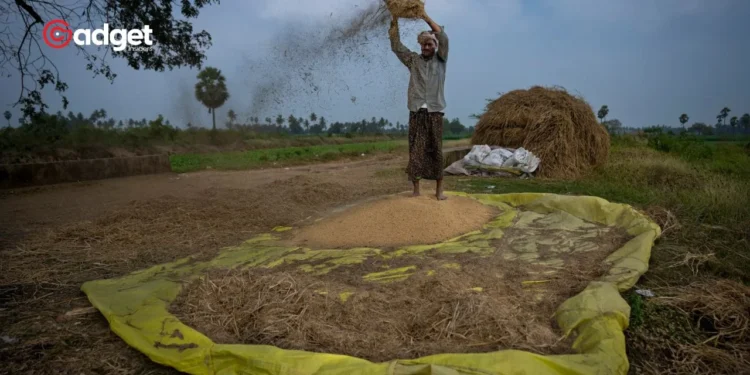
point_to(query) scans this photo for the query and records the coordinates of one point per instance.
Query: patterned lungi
(425, 146)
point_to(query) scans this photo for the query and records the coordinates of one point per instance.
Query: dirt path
(39, 208)
(55, 238)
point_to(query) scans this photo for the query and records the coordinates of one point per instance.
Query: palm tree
(724, 113)
(603, 112)
(745, 121)
(684, 119)
(268, 120)
(232, 117)
(313, 117)
(8, 115)
(733, 121)
(211, 90)
(280, 120)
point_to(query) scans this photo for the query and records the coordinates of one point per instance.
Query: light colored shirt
(427, 81)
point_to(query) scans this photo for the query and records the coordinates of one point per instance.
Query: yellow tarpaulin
(136, 305)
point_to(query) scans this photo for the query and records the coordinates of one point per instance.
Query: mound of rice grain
(559, 128)
(397, 221)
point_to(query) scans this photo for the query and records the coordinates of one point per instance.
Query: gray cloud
(648, 60)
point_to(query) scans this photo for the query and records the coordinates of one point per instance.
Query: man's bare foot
(439, 191)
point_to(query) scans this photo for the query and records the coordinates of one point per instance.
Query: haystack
(559, 128)
(406, 8)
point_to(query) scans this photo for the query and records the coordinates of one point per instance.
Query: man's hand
(434, 26)
(393, 31)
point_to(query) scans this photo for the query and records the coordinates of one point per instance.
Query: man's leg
(439, 191)
(436, 128)
(413, 152)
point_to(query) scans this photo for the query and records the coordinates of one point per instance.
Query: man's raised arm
(441, 36)
(403, 53)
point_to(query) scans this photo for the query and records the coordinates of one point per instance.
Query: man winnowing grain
(426, 102)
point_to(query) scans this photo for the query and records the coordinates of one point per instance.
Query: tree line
(211, 91)
(312, 124)
(43, 130)
(736, 124)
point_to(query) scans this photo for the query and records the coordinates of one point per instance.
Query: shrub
(684, 145)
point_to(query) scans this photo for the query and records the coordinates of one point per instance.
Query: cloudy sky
(648, 60)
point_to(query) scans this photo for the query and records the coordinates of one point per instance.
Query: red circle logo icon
(57, 34)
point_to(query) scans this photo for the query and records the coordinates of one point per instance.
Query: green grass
(182, 163)
(726, 158)
(636, 308)
(453, 137)
(736, 138)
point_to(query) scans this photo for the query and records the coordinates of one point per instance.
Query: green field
(182, 163)
(739, 138)
(282, 156)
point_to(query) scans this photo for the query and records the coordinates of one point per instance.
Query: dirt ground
(54, 238)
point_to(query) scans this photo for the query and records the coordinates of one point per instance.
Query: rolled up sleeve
(443, 44)
(403, 53)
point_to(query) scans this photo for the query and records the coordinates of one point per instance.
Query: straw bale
(559, 128)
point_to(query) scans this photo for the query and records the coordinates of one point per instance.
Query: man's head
(429, 43)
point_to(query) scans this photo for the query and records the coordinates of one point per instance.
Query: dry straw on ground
(397, 221)
(712, 333)
(559, 128)
(481, 307)
(450, 303)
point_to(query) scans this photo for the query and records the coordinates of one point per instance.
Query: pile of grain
(559, 128)
(397, 221)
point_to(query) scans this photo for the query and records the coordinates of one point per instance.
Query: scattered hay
(397, 221)
(433, 303)
(701, 328)
(665, 218)
(480, 308)
(721, 307)
(559, 128)
(406, 8)
(694, 262)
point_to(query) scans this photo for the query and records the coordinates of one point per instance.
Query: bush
(627, 140)
(684, 145)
